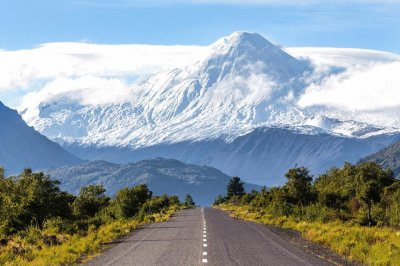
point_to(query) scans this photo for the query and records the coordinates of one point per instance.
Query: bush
(128, 201)
(90, 201)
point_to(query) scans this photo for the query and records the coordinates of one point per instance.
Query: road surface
(209, 236)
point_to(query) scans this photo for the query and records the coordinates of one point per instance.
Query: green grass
(369, 245)
(71, 249)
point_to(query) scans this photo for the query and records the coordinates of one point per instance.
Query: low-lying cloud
(372, 88)
(31, 70)
(367, 86)
(366, 93)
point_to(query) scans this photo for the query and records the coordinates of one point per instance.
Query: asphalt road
(209, 236)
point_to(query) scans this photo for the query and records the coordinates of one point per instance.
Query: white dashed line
(204, 260)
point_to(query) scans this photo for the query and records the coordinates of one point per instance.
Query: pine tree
(189, 201)
(235, 188)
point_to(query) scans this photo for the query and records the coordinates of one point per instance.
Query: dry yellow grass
(369, 245)
(74, 247)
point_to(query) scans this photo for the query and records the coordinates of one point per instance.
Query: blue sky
(361, 24)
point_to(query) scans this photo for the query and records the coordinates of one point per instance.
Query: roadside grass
(31, 248)
(369, 245)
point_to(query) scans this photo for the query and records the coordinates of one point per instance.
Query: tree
(391, 203)
(371, 179)
(279, 203)
(219, 200)
(189, 201)
(31, 199)
(129, 201)
(41, 198)
(9, 207)
(90, 201)
(156, 204)
(299, 185)
(336, 188)
(174, 200)
(235, 188)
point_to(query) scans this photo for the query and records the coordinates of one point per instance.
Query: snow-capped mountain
(244, 83)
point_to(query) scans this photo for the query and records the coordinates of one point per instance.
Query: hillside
(162, 176)
(262, 156)
(21, 146)
(388, 157)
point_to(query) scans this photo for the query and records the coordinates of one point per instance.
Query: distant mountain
(388, 157)
(21, 146)
(263, 155)
(225, 111)
(230, 92)
(162, 175)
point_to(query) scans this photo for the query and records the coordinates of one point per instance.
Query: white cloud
(20, 69)
(369, 94)
(93, 74)
(87, 90)
(84, 70)
(367, 89)
(342, 57)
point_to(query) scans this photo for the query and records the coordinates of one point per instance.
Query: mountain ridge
(263, 155)
(388, 157)
(21, 146)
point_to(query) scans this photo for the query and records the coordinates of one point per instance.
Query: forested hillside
(162, 176)
(388, 157)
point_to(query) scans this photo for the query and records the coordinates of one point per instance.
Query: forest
(354, 210)
(42, 225)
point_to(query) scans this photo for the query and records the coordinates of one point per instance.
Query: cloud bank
(91, 73)
(371, 88)
(22, 69)
(367, 85)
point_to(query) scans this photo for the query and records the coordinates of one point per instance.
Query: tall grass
(30, 248)
(369, 245)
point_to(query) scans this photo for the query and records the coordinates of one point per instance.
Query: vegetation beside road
(354, 210)
(41, 225)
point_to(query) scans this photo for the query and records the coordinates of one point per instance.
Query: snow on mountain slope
(243, 83)
(239, 86)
